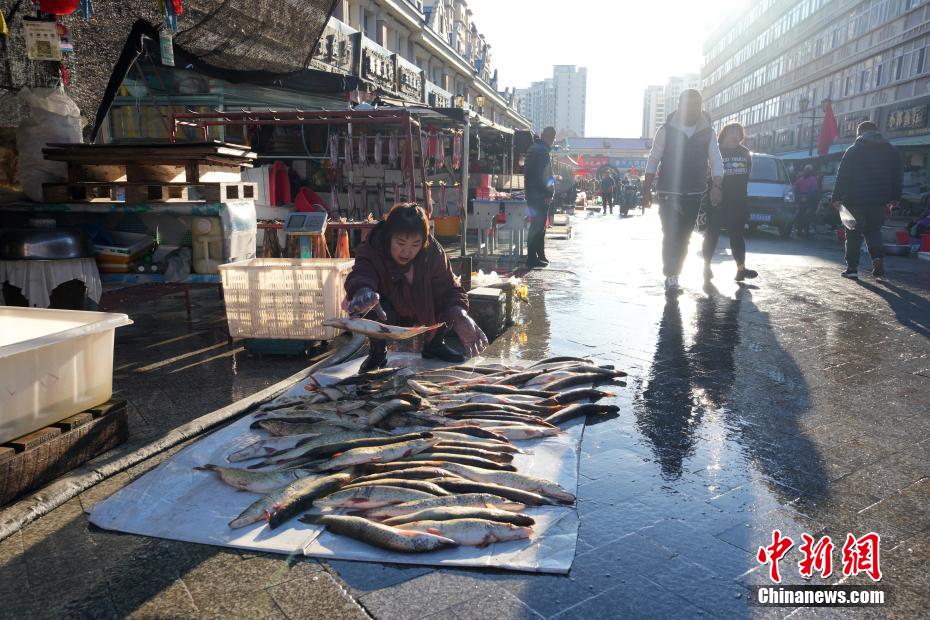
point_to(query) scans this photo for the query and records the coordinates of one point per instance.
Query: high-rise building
(653, 110)
(559, 101)
(773, 66)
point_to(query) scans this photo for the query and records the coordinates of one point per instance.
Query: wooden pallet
(153, 192)
(36, 459)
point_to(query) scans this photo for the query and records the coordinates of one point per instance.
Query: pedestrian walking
(607, 192)
(682, 151)
(868, 183)
(731, 212)
(540, 187)
(806, 190)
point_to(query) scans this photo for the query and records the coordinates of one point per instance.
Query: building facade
(433, 41)
(653, 110)
(559, 101)
(772, 68)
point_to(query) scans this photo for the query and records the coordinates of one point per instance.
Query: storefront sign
(850, 123)
(334, 51)
(378, 68)
(410, 82)
(41, 40)
(908, 118)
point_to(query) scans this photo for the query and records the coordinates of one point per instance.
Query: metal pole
(463, 191)
(810, 153)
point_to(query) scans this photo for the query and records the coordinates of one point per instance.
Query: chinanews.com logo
(858, 556)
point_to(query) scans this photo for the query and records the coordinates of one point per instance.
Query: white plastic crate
(53, 364)
(284, 298)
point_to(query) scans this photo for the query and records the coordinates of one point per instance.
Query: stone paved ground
(799, 403)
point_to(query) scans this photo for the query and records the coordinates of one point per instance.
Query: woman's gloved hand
(473, 339)
(364, 301)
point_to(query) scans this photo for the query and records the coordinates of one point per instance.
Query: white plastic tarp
(177, 502)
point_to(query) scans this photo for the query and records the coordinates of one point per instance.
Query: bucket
(902, 237)
(925, 243)
(447, 225)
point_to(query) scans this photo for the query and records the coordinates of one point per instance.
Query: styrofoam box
(285, 298)
(53, 364)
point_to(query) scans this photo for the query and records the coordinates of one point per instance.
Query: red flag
(633, 171)
(828, 131)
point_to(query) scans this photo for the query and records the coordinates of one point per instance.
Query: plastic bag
(178, 265)
(51, 117)
(848, 219)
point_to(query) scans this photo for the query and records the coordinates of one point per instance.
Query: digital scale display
(306, 223)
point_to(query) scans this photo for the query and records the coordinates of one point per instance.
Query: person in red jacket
(402, 276)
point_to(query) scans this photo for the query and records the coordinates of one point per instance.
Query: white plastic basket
(284, 298)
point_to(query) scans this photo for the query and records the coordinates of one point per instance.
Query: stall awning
(805, 153)
(922, 140)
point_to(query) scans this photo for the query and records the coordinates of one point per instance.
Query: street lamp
(805, 105)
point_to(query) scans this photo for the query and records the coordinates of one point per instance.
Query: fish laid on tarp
(501, 416)
(446, 513)
(379, 331)
(411, 473)
(263, 508)
(337, 442)
(580, 394)
(518, 433)
(574, 379)
(485, 500)
(472, 431)
(404, 483)
(460, 485)
(581, 409)
(471, 532)
(300, 495)
(558, 360)
(378, 454)
(284, 427)
(446, 457)
(512, 479)
(255, 481)
(477, 442)
(262, 448)
(363, 497)
(497, 457)
(379, 535)
(383, 410)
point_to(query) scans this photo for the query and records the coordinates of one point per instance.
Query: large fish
(557, 360)
(384, 536)
(497, 457)
(574, 379)
(342, 406)
(283, 428)
(263, 508)
(581, 409)
(379, 331)
(404, 483)
(363, 497)
(445, 457)
(517, 433)
(446, 513)
(267, 447)
(515, 480)
(485, 500)
(300, 495)
(340, 441)
(383, 410)
(255, 481)
(506, 390)
(502, 416)
(472, 431)
(458, 485)
(412, 473)
(580, 394)
(471, 532)
(378, 454)
(477, 442)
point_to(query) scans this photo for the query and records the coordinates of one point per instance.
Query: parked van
(771, 200)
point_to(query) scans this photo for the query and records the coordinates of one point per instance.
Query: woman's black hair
(407, 218)
(732, 127)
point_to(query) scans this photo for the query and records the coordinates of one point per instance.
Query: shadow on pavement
(912, 311)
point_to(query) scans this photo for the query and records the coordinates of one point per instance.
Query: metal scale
(304, 226)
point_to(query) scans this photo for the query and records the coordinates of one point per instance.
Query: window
(897, 66)
(919, 64)
(879, 71)
(767, 170)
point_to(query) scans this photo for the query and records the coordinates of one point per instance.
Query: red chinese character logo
(773, 553)
(819, 556)
(861, 556)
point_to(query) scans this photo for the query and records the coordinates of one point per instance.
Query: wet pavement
(799, 402)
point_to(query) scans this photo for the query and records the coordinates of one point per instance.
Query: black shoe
(851, 274)
(377, 356)
(543, 261)
(746, 274)
(534, 263)
(438, 349)
(878, 268)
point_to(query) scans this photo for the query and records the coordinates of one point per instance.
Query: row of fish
(415, 462)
